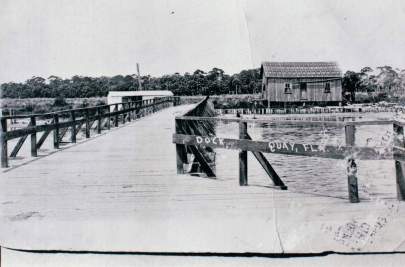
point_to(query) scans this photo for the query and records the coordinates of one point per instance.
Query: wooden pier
(120, 192)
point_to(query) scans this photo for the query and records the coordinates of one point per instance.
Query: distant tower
(139, 77)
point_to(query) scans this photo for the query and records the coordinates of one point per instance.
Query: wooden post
(137, 110)
(133, 110)
(99, 120)
(129, 112)
(109, 118)
(399, 141)
(56, 131)
(243, 159)
(4, 153)
(87, 123)
(350, 133)
(123, 113)
(73, 129)
(352, 181)
(116, 116)
(181, 152)
(33, 138)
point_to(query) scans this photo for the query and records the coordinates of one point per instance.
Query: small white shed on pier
(114, 97)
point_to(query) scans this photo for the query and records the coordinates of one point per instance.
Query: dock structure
(120, 192)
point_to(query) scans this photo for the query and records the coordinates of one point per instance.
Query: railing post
(243, 159)
(116, 116)
(109, 118)
(399, 141)
(129, 111)
(123, 112)
(4, 150)
(181, 153)
(73, 128)
(33, 138)
(87, 123)
(56, 130)
(99, 120)
(350, 133)
(137, 110)
(134, 111)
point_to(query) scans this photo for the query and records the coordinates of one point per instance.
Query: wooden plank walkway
(120, 192)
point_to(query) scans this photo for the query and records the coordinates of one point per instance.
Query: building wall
(275, 90)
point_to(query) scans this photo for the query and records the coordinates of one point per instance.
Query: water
(318, 176)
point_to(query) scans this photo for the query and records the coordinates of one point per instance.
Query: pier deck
(120, 192)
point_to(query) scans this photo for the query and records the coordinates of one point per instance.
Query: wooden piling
(243, 159)
(399, 141)
(56, 131)
(33, 138)
(87, 118)
(124, 113)
(352, 181)
(116, 116)
(99, 120)
(350, 133)
(108, 118)
(181, 152)
(3, 140)
(73, 129)
(129, 112)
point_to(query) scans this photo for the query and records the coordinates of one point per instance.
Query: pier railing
(311, 110)
(201, 159)
(348, 151)
(70, 122)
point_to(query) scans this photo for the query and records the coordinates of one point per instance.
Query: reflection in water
(314, 175)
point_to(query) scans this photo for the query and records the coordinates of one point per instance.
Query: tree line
(383, 81)
(214, 82)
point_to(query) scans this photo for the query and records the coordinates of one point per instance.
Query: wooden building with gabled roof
(318, 83)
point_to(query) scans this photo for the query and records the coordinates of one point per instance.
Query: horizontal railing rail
(281, 120)
(310, 110)
(289, 148)
(144, 103)
(102, 116)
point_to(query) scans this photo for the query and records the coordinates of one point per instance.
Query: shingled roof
(301, 70)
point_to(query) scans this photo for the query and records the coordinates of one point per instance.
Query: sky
(100, 37)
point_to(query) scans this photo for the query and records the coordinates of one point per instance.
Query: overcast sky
(100, 37)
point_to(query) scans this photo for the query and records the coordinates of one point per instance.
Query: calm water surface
(315, 175)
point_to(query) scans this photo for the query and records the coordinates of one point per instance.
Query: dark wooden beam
(243, 159)
(3, 141)
(73, 129)
(350, 137)
(42, 139)
(203, 161)
(268, 168)
(399, 155)
(87, 129)
(56, 131)
(33, 138)
(19, 144)
(286, 148)
(116, 116)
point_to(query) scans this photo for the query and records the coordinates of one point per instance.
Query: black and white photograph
(202, 133)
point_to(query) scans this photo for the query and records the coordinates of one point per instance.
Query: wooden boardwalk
(120, 192)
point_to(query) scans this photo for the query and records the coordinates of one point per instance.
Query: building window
(287, 88)
(327, 87)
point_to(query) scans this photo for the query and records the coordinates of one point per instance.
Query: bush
(60, 102)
